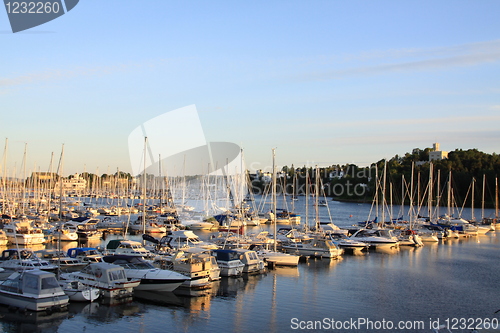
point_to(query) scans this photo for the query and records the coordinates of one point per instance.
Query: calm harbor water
(416, 286)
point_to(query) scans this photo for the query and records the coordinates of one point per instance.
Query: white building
(436, 154)
(74, 184)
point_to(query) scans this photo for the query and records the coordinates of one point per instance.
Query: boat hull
(159, 285)
(86, 295)
(26, 239)
(34, 303)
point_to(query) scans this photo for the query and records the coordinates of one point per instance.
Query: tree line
(402, 177)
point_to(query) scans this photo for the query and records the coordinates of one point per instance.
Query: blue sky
(323, 82)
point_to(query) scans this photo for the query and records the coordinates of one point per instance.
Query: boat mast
(24, 179)
(411, 215)
(438, 192)
(496, 198)
(316, 194)
(382, 213)
(391, 212)
(4, 177)
(449, 196)
(377, 189)
(429, 197)
(274, 199)
(482, 198)
(307, 200)
(144, 188)
(59, 172)
(473, 218)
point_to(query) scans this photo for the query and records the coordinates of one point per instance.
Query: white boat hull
(32, 303)
(26, 239)
(231, 269)
(278, 258)
(87, 294)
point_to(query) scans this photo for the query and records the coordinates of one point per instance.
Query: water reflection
(16, 321)
(108, 310)
(196, 303)
(387, 249)
(288, 271)
(83, 308)
(318, 264)
(453, 278)
(63, 246)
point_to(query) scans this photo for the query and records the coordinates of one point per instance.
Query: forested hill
(352, 182)
(463, 166)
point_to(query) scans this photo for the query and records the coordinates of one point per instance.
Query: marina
(452, 278)
(139, 193)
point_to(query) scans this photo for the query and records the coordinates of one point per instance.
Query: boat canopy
(226, 255)
(74, 252)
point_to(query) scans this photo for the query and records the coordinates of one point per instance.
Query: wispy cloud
(464, 55)
(81, 71)
(388, 123)
(56, 74)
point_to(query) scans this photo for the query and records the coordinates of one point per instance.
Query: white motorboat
(331, 228)
(127, 247)
(151, 278)
(229, 262)
(24, 259)
(253, 263)
(428, 232)
(199, 225)
(182, 239)
(86, 228)
(34, 290)
(59, 258)
(3, 238)
(196, 263)
(111, 223)
(376, 237)
(278, 258)
(409, 238)
(347, 243)
(148, 226)
(64, 234)
(317, 246)
(110, 279)
(22, 232)
(85, 254)
(78, 292)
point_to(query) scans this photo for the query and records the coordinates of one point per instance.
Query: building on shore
(436, 154)
(74, 184)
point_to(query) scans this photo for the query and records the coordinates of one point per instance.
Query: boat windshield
(194, 240)
(11, 285)
(136, 264)
(117, 275)
(49, 283)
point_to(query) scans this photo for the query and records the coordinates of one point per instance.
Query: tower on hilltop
(437, 154)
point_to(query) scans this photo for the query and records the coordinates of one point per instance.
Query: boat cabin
(34, 290)
(17, 254)
(87, 254)
(127, 247)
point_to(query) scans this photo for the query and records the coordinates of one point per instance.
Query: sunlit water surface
(442, 281)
